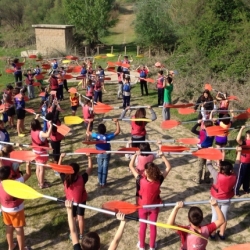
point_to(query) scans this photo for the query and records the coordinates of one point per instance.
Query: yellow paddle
(71, 120)
(22, 191)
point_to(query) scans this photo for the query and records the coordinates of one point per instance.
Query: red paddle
(185, 105)
(93, 142)
(208, 153)
(73, 58)
(166, 148)
(188, 140)
(32, 56)
(186, 111)
(120, 206)
(46, 66)
(89, 151)
(23, 155)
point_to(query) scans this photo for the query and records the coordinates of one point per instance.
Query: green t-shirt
(167, 93)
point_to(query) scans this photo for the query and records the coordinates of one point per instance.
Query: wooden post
(86, 51)
(149, 52)
(98, 50)
(75, 50)
(111, 51)
(138, 50)
(125, 50)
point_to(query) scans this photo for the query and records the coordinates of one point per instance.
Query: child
(126, 93)
(143, 71)
(138, 128)
(149, 193)
(224, 103)
(168, 89)
(103, 159)
(13, 209)
(74, 102)
(92, 240)
(4, 135)
(87, 112)
(29, 81)
(74, 188)
(205, 142)
(160, 87)
(100, 73)
(9, 105)
(222, 189)
(90, 89)
(83, 73)
(195, 217)
(244, 169)
(120, 82)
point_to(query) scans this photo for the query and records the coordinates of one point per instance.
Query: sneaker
(138, 246)
(21, 135)
(222, 237)
(57, 174)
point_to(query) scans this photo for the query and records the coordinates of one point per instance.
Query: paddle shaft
(20, 161)
(12, 143)
(123, 119)
(196, 202)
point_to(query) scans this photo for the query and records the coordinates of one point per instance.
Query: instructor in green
(168, 88)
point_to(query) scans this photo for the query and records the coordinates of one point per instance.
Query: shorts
(15, 219)
(221, 140)
(86, 125)
(10, 112)
(74, 108)
(42, 159)
(20, 114)
(79, 210)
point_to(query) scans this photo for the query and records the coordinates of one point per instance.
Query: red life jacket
(194, 242)
(160, 81)
(76, 191)
(149, 192)
(245, 158)
(98, 86)
(9, 102)
(55, 136)
(224, 187)
(15, 174)
(37, 142)
(8, 201)
(138, 130)
(143, 160)
(89, 91)
(74, 101)
(53, 83)
(29, 79)
(85, 112)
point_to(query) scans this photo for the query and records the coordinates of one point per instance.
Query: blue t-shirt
(106, 137)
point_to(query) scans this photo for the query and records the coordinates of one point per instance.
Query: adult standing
(143, 71)
(160, 87)
(17, 69)
(168, 89)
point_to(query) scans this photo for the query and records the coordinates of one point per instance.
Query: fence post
(97, 50)
(111, 51)
(138, 50)
(86, 51)
(149, 52)
(125, 50)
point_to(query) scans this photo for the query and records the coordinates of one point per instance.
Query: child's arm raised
(28, 171)
(88, 132)
(132, 163)
(115, 242)
(172, 216)
(90, 165)
(118, 129)
(167, 164)
(220, 215)
(238, 138)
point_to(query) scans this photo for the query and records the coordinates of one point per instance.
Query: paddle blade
(132, 149)
(107, 78)
(93, 142)
(32, 56)
(32, 111)
(72, 90)
(186, 111)
(169, 124)
(243, 116)
(46, 66)
(20, 190)
(208, 153)
(89, 151)
(120, 206)
(233, 98)
(63, 129)
(42, 94)
(23, 155)
(216, 130)
(176, 106)
(9, 71)
(238, 247)
(150, 80)
(179, 229)
(102, 109)
(208, 86)
(69, 120)
(188, 140)
(165, 148)
(66, 169)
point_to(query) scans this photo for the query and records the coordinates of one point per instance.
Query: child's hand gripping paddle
(62, 129)
(22, 191)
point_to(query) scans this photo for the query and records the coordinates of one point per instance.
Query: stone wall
(51, 39)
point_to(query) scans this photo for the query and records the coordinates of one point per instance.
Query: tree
(91, 17)
(153, 24)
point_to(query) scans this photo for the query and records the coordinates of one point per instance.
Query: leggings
(56, 145)
(98, 96)
(224, 207)
(148, 214)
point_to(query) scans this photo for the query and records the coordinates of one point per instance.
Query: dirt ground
(47, 221)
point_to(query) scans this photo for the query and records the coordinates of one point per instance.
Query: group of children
(147, 174)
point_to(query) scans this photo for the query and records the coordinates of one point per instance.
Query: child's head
(144, 146)
(28, 71)
(160, 72)
(88, 102)
(127, 79)
(101, 129)
(152, 172)
(91, 241)
(70, 178)
(35, 125)
(5, 173)
(119, 69)
(37, 66)
(208, 123)
(195, 216)
(89, 82)
(49, 116)
(248, 135)
(126, 57)
(1, 124)
(226, 121)
(226, 168)
(16, 60)
(140, 113)
(6, 150)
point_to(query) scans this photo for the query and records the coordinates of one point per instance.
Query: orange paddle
(238, 247)
(166, 148)
(185, 105)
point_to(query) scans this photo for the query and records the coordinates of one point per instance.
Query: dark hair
(119, 69)
(169, 79)
(35, 125)
(195, 215)
(153, 172)
(49, 116)
(248, 132)
(91, 241)
(6, 150)
(160, 72)
(226, 167)
(70, 178)
(209, 98)
(226, 121)
(208, 123)
(9, 87)
(4, 173)
(144, 146)
(140, 113)
(16, 60)
(37, 66)
(126, 57)
(101, 129)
